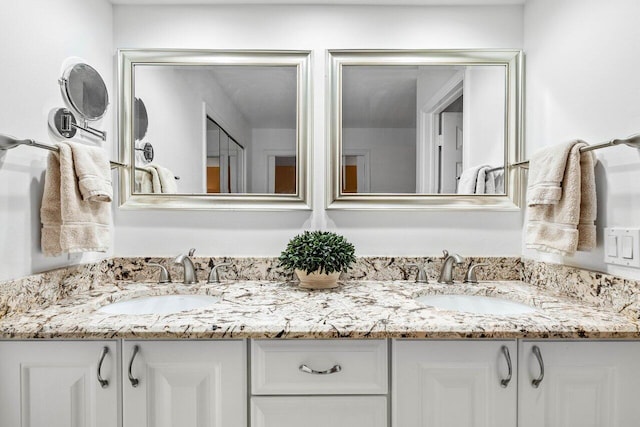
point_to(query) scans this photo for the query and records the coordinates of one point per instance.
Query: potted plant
(318, 258)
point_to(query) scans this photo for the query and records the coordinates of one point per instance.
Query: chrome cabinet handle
(103, 383)
(134, 381)
(308, 370)
(536, 351)
(505, 381)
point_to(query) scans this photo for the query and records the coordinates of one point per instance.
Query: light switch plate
(622, 246)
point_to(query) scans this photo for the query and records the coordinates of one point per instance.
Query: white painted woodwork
(586, 384)
(319, 411)
(275, 367)
(452, 384)
(55, 384)
(452, 145)
(185, 384)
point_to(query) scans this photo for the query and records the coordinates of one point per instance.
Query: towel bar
(8, 142)
(632, 141)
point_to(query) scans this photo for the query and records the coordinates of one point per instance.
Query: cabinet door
(453, 383)
(185, 384)
(585, 384)
(319, 411)
(55, 384)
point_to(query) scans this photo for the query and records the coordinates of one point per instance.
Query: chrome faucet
(214, 277)
(189, 269)
(446, 274)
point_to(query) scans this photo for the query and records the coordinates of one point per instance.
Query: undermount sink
(163, 304)
(475, 304)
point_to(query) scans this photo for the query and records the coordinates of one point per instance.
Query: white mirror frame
(129, 58)
(511, 59)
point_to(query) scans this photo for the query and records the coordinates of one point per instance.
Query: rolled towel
(69, 223)
(93, 171)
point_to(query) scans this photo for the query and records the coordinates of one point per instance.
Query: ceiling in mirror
(424, 129)
(233, 125)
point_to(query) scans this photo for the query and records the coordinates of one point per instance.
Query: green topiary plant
(321, 251)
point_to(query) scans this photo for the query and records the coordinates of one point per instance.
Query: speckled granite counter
(259, 309)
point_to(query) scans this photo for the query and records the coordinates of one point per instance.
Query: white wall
(176, 124)
(583, 58)
(392, 156)
(318, 28)
(263, 143)
(37, 37)
(174, 100)
(484, 109)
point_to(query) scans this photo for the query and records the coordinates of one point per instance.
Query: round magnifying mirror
(141, 122)
(85, 91)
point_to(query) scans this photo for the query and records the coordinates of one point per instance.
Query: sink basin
(163, 304)
(475, 304)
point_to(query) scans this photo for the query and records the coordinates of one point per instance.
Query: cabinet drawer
(319, 411)
(319, 367)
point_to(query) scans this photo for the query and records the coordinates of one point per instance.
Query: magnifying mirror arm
(95, 132)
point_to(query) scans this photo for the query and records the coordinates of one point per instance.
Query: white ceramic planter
(317, 280)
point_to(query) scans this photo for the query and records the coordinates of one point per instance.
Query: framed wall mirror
(232, 125)
(428, 129)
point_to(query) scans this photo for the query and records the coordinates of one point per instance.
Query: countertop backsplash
(591, 287)
(365, 268)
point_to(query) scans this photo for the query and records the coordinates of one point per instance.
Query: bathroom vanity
(269, 354)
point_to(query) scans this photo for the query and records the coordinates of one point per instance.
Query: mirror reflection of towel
(469, 180)
(156, 179)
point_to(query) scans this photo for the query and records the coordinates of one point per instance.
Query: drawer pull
(308, 370)
(505, 382)
(134, 381)
(103, 383)
(536, 382)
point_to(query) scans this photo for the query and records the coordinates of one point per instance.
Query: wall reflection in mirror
(423, 129)
(221, 128)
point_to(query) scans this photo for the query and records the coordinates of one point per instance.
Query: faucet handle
(470, 277)
(165, 277)
(192, 251)
(445, 253)
(421, 277)
(213, 275)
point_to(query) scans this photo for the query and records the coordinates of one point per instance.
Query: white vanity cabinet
(454, 383)
(184, 383)
(58, 383)
(319, 383)
(585, 384)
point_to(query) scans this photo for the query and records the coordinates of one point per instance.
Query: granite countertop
(357, 309)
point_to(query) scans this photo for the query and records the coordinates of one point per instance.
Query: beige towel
(546, 172)
(152, 173)
(157, 180)
(489, 181)
(167, 180)
(469, 180)
(143, 178)
(485, 182)
(567, 225)
(70, 224)
(93, 171)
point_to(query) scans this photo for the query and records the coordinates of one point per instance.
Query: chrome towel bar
(8, 142)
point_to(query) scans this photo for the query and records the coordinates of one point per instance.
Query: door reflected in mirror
(423, 129)
(224, 129)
